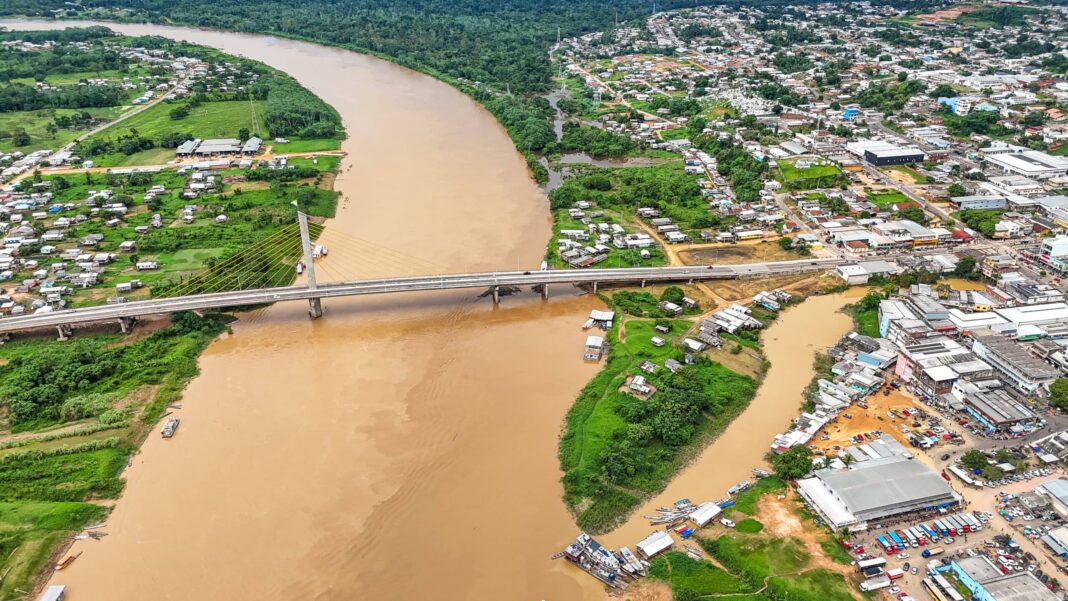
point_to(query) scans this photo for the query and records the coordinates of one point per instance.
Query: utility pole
(315, 306)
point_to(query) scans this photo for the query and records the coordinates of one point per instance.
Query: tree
(965, 267)
(179, 112)
(243, 134)
(672, 294)
(20, 138)
(974, 460)
(915, 214)
(1058, 393)
(955, 189)
(792, 464)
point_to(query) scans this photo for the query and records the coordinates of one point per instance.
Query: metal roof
(878, 488)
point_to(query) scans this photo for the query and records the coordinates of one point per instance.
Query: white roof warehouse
(874, 490)
(1030, 163)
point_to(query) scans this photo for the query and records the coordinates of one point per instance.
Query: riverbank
(789, 345)
(60, 465)
(617, 451)
(433, 412)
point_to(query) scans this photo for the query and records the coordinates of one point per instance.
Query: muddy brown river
(402, 447)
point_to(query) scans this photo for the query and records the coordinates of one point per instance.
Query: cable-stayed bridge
(264, 272)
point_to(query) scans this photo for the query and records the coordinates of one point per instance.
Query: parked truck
(874, 584)
(932, 552)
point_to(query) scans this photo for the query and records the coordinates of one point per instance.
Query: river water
(401, 447)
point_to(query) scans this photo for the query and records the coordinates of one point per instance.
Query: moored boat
(170, 427)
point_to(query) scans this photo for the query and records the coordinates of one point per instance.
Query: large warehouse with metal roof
(875, 490)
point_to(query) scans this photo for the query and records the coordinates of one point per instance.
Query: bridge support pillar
(545, 292)
(64, 332)
(126, 324)
(595, 287)
(315, 308)
(643, 283)
(496, 295)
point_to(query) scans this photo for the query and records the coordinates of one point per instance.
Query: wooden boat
(66, 561)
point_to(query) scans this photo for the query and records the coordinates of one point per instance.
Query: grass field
(209, 120)
(36, 122)
(296, 146)
(679, 133)
(791, 173)
(885, 199)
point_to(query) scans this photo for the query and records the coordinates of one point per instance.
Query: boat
(595, 560)
(726, 522)
(631, 563)
(66, 561)
(170, 427)
(760, 473)
(740, 487)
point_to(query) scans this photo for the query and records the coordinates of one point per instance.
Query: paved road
(410, 284)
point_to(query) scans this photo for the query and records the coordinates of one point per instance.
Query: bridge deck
(409, 284)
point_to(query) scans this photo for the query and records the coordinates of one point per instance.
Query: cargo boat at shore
(595, 560)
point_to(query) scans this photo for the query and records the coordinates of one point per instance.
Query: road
(69, 317)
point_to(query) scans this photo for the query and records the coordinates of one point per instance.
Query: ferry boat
(170, 427)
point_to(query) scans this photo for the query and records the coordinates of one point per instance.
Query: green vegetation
(886, 198)
(29, 531)
(258, 204)
(40, 378)
(981, 220)
(975, 122)
(822, 175)
(690, 577)
(749, 526)
(48, 478)
(792, 463)
(274, 105)
(866, 314)
(889, 97)
(783, 564)
(1058, 393)
(665, 187)
(996, 16)
(596, 141)
(617, 448)
(41, 129)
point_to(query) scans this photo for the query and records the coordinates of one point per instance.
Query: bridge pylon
(315, 305)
